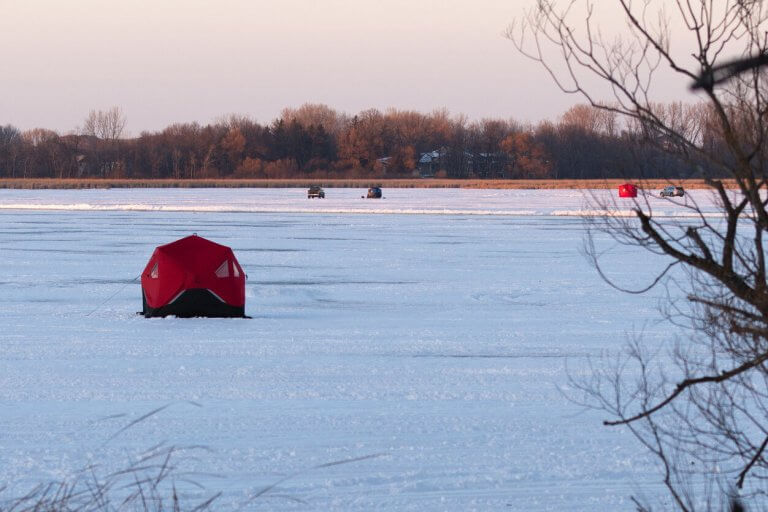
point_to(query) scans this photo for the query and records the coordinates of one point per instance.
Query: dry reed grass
(148, 483)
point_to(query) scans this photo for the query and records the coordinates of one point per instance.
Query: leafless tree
(700, 407)
(105, 124)
(10, 143)
(590, 119)
(316, 114)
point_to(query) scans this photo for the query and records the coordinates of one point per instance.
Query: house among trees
(384, 164)
(430, 163)
(81, 162)
(491, 165)
(463, 164)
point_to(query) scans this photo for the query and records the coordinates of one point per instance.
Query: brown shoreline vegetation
(317, 144)
(532, 184)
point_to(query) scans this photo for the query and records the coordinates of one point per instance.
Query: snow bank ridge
(522, 212)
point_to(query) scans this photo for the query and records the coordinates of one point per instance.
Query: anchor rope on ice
(113, 295)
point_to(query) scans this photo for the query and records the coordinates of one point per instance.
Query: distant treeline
(315, 141)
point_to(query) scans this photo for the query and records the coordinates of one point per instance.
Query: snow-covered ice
(350, 201)
(437, 340)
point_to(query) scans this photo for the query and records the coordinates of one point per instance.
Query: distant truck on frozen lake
(672, 192)
(315, 192)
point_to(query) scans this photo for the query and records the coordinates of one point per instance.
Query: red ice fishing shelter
(627, 190)
(193, 277)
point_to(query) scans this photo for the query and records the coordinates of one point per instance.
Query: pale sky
(166, 61)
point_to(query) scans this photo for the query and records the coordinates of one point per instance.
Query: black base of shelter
(194, 302)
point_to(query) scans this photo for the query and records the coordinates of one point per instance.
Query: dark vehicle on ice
(315, 191)
(374, 193)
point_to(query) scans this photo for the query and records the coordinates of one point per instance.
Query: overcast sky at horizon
(167, 61)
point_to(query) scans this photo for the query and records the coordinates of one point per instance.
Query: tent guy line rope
(113, 295)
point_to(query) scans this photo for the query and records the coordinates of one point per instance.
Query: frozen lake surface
(348, 201)
(436, 340)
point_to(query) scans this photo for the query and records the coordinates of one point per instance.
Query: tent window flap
(223, 270)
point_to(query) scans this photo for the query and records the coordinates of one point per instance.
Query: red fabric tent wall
(627, 190)
(193, 263)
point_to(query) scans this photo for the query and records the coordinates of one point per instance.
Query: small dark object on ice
(315, 191)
